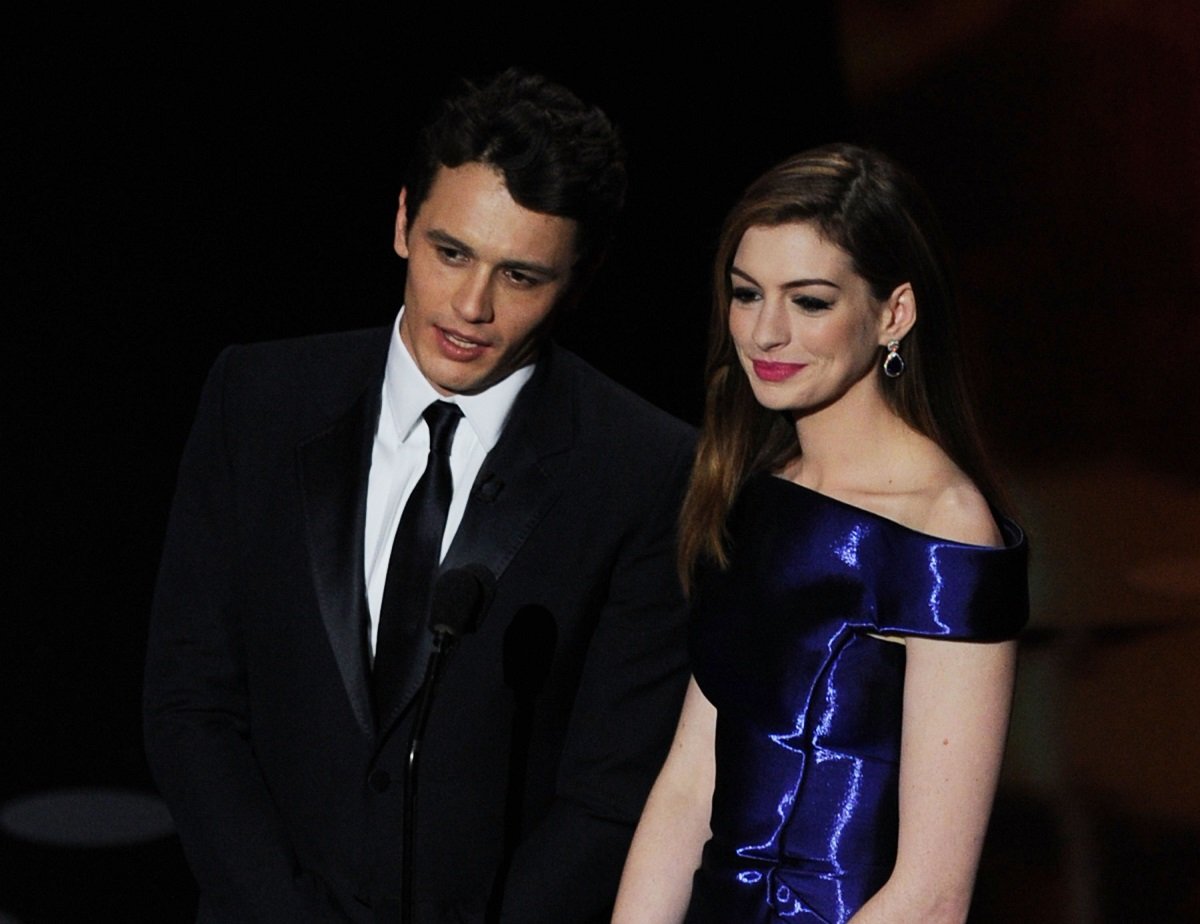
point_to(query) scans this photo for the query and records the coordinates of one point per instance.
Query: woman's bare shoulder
(941, 501)
(957, 511)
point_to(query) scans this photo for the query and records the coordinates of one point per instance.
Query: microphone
(460, 597)
(529, 644)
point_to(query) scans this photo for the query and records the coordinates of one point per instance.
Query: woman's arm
(657, 881)
(957, 697)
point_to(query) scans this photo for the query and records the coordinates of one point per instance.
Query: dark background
(195, 180)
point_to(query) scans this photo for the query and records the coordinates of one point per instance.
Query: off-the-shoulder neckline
(1013, 535)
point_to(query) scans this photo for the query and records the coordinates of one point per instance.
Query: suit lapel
(519, 481)
(334, 466)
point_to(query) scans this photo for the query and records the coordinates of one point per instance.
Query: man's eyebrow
(449, 240)
(549, 273)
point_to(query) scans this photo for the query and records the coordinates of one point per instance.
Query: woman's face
(806, 327)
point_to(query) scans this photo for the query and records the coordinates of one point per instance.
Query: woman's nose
(771, 326)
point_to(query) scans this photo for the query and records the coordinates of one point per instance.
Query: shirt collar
(407, 393)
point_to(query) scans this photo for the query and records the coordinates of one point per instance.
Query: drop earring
(893, 363)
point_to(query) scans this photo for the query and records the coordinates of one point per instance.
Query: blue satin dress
(804, 812)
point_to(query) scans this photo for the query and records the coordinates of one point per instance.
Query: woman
(855, 597)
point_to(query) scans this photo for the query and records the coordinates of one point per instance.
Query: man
(281, 675)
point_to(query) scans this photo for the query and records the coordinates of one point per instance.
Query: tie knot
(442, 418)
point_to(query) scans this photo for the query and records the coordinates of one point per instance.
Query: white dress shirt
(401, 449)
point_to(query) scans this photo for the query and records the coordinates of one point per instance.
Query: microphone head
(460, 597)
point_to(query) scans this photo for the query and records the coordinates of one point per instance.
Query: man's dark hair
(557, 155)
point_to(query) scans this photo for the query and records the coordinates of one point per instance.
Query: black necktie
(412, 567)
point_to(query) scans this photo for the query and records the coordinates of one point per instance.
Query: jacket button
(379, 780)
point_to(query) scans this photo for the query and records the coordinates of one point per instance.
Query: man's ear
(401, 241)
(899, 314)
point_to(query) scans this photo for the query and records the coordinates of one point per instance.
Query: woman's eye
(811, 303)
(744, 296)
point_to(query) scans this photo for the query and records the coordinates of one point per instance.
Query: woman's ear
(899, 314)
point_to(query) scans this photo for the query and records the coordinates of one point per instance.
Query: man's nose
(473, 298)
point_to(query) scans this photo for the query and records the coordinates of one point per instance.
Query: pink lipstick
(776, 372)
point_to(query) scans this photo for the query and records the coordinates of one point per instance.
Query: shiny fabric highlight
(805, 814)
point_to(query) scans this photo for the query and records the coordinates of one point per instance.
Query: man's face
(484, 274)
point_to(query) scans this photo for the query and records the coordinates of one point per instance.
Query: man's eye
(524, 280)
(451, 254)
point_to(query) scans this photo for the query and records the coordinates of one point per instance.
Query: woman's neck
(856, 441)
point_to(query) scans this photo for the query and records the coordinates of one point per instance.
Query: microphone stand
(459, 599)
(443, 643)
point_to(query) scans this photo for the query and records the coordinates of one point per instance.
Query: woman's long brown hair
(864, 203)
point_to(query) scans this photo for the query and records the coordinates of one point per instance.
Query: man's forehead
(471, 203)
(475, 177)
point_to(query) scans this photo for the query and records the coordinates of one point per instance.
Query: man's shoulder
(296, 381)
(352, 349)
(608, 409)
(310, 364)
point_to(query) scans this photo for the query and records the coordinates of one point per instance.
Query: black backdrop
(177, 183)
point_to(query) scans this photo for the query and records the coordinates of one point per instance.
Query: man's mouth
(460, 340)
(460, 347)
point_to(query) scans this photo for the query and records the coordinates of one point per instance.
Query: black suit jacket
(258, 720)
